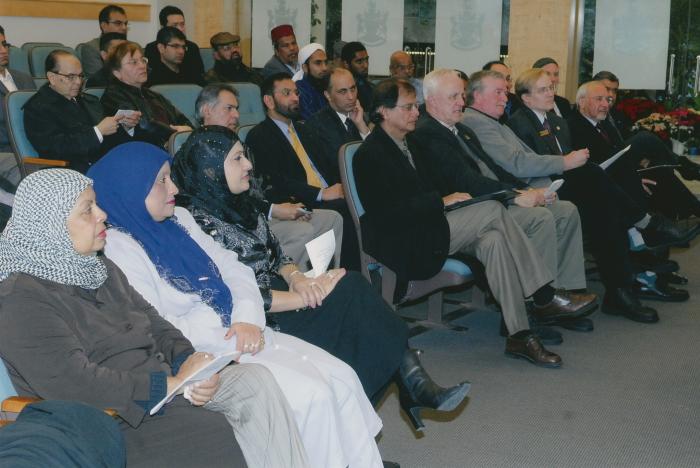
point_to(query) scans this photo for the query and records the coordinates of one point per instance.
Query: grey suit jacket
(23, 82)
(90, 57)
(275, 65)
(510, 152)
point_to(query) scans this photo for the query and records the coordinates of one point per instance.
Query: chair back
(13, 105)
(6, 388)
(249, 103)
(27, 46)
(176, 140)
(243, 131)
(19, 60)
(37, 58)
(182, 96)
(97, 92)
(207, 54)
(39, 82)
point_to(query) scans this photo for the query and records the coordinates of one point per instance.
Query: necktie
(311, 175)
(407, 153)
(603, 133)
(551, 137)
(352, 129)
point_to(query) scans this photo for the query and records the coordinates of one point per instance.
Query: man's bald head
(401, 65)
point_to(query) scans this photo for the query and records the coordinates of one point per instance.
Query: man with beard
(356, 59)
(291, 163)
(228, 63)
(311, 79)
(285, 58)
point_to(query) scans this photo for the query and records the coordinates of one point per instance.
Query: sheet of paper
(125, 112)
(321, 251)
(218, 363)
(606, 164)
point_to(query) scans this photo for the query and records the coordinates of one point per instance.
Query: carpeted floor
(626, 396)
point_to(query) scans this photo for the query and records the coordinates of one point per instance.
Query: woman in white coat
(204, 291)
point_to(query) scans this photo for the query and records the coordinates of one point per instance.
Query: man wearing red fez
(285, 59)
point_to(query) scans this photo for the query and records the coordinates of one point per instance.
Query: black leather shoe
(565, 305)
(660, 292)
(661, 232)
(580, 324)
(672, 278)
(622, 301)
(530, 347)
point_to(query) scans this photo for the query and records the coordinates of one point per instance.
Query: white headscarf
(304, 54)
(36, 239)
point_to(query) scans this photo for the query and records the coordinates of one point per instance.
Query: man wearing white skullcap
(311, 79)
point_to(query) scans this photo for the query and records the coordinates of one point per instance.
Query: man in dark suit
(459, 164)
(591, 129)
(513, 103)
(64, 123)
(604, 209)
(292, 164)
(171, 16)
(406, 227)
(562, 106)
(342, 121)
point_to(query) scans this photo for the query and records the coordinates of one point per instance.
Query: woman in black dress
(337, 311)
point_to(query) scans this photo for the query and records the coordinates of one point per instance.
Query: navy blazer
(331, 134)
(451, 168)
(528, 127)
(283, 175)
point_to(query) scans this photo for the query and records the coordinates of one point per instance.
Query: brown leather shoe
(529, 347)
(565, 305)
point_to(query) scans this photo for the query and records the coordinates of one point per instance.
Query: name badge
(544, 132)
(466, 137)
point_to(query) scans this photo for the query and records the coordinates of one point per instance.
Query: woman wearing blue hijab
(204, 291)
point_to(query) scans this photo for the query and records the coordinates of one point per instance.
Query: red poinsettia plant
(639, 108)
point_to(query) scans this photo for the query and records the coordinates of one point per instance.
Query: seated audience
(108, 42)
(342, 121)
(459, 164)
(10, 80)
(73, 328)
(590, 128)
(169, 66)
(159, 118)
(112, 19)
(294, 226)
(205, 291)
(406, 227)
(513, 103)
(292, 164)
(62, 122)
(173, 17)
(401, 66)
(60, 434)
(562, 106)
(286, 55)
(228, 63)
(356, 59)
(311, 79)
(346, 317)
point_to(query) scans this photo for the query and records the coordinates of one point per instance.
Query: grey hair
(209, 96)
(582, 91)
(431, 82)
(475, 82)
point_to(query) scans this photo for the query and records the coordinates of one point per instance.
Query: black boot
(417, 390)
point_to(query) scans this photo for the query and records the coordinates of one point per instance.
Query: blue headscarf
(123, 178)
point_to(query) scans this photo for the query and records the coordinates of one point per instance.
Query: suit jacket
(564, 106)
(404, 224)
(283, 175)
(585, 135)
(510, 152)
(330, 133)
(275, 65)
(527, 126)
(451, 168)
(192, 61)
(159, 73)
(61, 129)
(23, 82)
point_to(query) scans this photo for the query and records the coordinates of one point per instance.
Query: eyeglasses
(406, 67)
(287, 91)
(71, 76)
(409, 107)
(545, 89)
(5, 44)
(134, 62)
(177, 46)
(227, 47)
(118, 23)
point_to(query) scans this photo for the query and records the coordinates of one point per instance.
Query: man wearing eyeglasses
(112, 19)
(401, 66)
(292, 164)
(169, 67)
(228, 62)
(64, 123)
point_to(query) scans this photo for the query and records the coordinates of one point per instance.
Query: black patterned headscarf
(36, 239)
(198, 171)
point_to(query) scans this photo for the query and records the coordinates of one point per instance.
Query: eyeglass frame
(177, 46)
(134, 62)
(70, 76)
(118, 22)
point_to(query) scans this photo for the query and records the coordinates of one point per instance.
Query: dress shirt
(344, 118)
(7, 81)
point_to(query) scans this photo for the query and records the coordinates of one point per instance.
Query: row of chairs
(30, 57)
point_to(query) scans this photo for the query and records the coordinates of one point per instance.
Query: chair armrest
(16, 404)
(45, 162)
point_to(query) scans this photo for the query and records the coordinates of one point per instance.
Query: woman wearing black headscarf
(337, 311)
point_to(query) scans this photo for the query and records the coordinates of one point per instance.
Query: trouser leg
(513, 267)
(263, 423)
